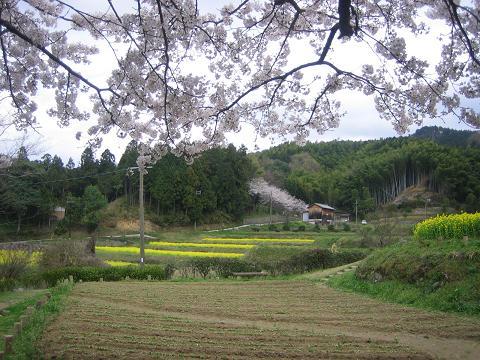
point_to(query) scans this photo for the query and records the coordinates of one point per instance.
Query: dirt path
(254, 319)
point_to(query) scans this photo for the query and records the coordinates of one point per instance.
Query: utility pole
(141, 211)
(142, 218)
(356, 212)
(270, 208)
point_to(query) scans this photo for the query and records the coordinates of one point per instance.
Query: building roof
(323, 206)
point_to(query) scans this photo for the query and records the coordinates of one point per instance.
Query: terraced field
(248, 319)
(202, 246)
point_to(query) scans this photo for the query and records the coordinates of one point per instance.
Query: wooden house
(322, 212)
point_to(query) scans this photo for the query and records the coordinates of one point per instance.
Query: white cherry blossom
(182, 78)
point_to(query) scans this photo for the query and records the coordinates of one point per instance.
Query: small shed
(343, 217)
(322, 212)
(305, 217)
(59, 213)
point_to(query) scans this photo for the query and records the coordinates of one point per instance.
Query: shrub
(449, 227)
(226, 267)
(301, 228)
(202, 266)
(61, 228)
(67, 253)
(317, 259)
(267, 257)
(331, 227)
(16, 269)
(223, 267)
(346, 227)
(92, 273)
(272, 227)
(255, 228)
(170, 219)
(284, 260)
(286, 227)
(13, 263)
(216, 217)
(7, 285)
(366, 237)
(316, 227)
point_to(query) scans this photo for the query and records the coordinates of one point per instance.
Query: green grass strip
(262, 240)
(154, 252)
(458, 297)
(25, 345)
(200, 245)
(12, 314)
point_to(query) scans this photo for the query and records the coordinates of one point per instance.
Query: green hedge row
(90, 273)
(223, 267)
(315, 259)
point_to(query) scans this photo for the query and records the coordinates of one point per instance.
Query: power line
(66, 179)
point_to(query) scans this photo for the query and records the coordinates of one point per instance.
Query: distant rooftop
(323, 206)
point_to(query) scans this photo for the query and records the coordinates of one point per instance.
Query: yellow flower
(155, 252)
(199, 245)
(449, 226)
(120, 263)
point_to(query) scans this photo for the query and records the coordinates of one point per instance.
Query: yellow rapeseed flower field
(155, 252)
(199, 245)
(120, 263)
(32, 258)
(449, 227)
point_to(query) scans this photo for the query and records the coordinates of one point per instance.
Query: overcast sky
(361, 121)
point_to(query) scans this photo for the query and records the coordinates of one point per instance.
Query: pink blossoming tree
(278, 197)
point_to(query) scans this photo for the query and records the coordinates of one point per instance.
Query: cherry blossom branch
(52, 57)
(452, 9)
(7, 73)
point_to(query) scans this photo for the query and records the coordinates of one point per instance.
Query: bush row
(282, 264)
(449, 227)
(295, 227)
(222, 267)
(91, 273)
(313, 259)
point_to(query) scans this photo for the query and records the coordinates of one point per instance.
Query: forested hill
(215, 188)
(449, 137)
(376, 171)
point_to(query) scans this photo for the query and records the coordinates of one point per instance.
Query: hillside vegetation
(438, 269)
(444, 163)
(376, 172)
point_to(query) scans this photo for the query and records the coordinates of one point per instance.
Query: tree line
(370, 173)
(214, 186)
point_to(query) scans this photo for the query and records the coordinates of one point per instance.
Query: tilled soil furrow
(255, 319)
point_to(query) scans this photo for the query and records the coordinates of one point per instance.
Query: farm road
(246, 320)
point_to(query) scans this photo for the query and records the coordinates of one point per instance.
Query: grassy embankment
(14, 304)
(439, 269)
(25, 344)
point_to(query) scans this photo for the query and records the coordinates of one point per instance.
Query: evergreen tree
(107, 179)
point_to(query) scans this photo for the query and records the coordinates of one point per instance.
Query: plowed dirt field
(249, 320)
